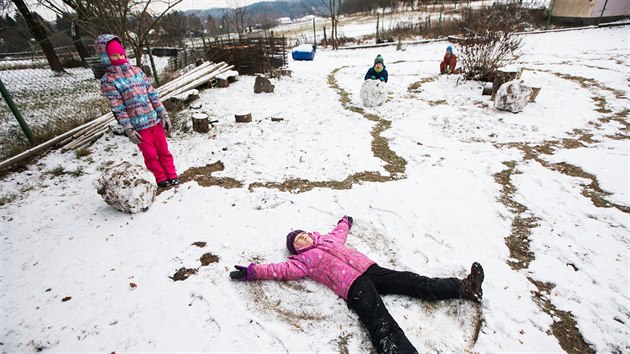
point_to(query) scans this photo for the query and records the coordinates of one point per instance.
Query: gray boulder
(263, 84)
(127, 187)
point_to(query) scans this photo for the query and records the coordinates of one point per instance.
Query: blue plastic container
(303, 52)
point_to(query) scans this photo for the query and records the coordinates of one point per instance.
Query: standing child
(378, 71)
(360, 281)
(137, 107)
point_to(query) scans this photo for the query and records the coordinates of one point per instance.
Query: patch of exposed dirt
(208, 258)
(203, 176)
(290, 315)
(591, 190)
(394, 164)
(436, 102)
(564, 325)
(183, 274)
(413, 87)
(519, 238)
(342, 343)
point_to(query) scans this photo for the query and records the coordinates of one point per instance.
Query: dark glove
(133, 136)
(382, 78)
(373, 78)
(166, 123)
(240, 273)
(350, 220)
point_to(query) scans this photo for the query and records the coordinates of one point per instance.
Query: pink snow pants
(157, 158)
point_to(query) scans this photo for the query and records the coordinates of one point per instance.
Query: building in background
(589, 12)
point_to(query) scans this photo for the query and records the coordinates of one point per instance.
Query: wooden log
(535, 91)
(502, 76)
(200, 123)
(243, 118)
(223, 83)
(487, 89)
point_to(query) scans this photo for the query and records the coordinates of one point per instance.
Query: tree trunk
(200, 123)
(78, 43)
(503, 76)
(39, 33)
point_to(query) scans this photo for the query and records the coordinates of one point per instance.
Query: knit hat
(115, 47)
(290, 238)
(379, 59)
(449, 49)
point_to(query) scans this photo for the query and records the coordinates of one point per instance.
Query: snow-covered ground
(79, 276)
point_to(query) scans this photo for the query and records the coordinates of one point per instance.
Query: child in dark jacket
(378, 71)
(360, 281)
(137, 107)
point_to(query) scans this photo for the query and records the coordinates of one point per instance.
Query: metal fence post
(553, 3)
(602, 13)
(155, 73)
(16, 112)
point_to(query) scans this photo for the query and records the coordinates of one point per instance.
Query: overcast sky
(183, 6)
(207, 4)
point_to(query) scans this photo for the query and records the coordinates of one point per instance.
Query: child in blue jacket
(378, 71)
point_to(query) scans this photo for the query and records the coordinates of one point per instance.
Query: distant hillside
(273, 9)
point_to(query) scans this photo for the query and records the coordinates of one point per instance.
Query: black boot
(471, 285)
(164, 184)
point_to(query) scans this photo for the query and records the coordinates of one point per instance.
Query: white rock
(512, 96)
(127, 187)
(373, 93)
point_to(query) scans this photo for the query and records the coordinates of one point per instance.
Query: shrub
(489, 39)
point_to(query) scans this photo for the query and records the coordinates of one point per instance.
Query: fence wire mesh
(51, 103)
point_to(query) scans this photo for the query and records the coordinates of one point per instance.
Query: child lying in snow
(360, 281)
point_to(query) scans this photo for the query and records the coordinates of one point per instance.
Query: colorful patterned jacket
(328, 261)
(132, 98)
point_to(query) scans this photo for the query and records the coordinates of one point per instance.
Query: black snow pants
(364, 298)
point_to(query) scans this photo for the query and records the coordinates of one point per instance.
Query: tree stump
(502, 76)
(535, 91)
(223, 83)
(200, 123)
(243, 118)
(487, 89)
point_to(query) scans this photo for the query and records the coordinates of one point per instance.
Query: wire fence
(53, 103)
(50, 103)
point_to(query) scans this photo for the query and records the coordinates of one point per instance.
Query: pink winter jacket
(328, 261)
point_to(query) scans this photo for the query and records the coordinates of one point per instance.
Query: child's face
(302, 240)
(378, 66)
(116, 56)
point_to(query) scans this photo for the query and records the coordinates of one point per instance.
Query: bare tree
(132, 20)
(329, 9)
(238, 17)
(265, 21)
(39, 33)
(489, 38)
